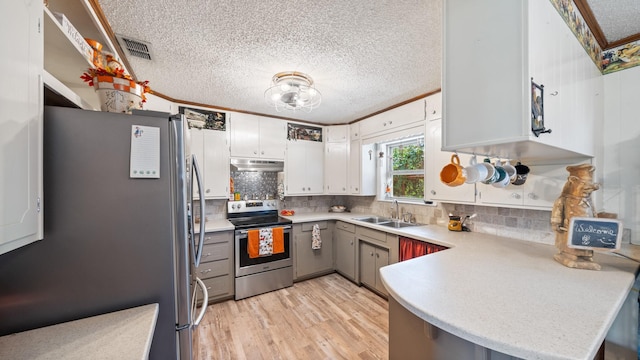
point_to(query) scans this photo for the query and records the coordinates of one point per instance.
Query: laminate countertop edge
(125, 334)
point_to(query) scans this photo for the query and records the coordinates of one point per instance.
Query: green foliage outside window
(407, 170)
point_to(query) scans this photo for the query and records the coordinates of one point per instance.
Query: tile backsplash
(255, 184)
(522, 224)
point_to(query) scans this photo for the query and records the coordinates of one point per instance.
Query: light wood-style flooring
(323, 318)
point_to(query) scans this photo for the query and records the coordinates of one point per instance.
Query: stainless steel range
(265, 273)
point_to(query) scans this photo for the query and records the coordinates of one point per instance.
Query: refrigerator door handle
(205, 301)
(198, 254)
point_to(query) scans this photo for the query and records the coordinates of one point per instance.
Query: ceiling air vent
(135, 47)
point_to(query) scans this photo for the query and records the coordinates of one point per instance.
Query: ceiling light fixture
(292, 90)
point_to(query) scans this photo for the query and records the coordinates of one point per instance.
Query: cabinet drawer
(372, 234)
(345, 226)
(213, 268)
(211, 252)
(309, 226)
(220, 285)
(217, 237)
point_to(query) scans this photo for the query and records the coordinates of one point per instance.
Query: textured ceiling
(363, 55)
(618, 19)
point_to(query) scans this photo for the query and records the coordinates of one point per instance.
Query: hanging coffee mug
(503, 178)
(521, 174)
(492, 174)
(452, 174)
(475, 172)
(510, 169)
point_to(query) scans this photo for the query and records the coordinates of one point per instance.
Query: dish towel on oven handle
(265, 242)
(316, 241)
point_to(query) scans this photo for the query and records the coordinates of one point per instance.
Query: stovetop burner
(254, 214)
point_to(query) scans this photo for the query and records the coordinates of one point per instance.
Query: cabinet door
(382, 259)
(435, 160)
(433, 107)
(355, 151)
(367, 264)
(21, 124)
(510, 195)
(216, 164)
(544, 185)
(245, 135)
(336, 168)
(337, 133)
(310, 261)
(296, 168)
(315, 167)
(345, 256)
(273, 138)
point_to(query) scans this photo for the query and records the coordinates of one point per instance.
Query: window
(405, 169)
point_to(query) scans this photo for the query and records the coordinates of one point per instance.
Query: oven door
(247, 266)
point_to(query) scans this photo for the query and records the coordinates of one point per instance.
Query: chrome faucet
(397, 213)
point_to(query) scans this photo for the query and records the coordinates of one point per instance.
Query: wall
(621, 179)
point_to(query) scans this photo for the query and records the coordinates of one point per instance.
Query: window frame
(387, 176)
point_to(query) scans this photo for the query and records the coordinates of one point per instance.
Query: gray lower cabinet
(375, 250)
(372, 258)
(345, 254)
(307, 261)
(216, 266)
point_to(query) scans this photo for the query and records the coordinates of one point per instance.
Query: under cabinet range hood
(240, 164)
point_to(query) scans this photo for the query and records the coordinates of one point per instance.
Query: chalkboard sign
(594, 233)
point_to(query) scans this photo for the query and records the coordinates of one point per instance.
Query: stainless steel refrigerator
(112, 240)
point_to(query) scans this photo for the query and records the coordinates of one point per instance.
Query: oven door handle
(247, 231)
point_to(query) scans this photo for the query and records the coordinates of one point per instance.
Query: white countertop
(125, 334)
(510, 295)
(505, 294)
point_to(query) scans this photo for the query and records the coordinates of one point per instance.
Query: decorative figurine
(574, 201)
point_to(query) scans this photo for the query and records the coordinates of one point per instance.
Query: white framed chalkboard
(594, 233)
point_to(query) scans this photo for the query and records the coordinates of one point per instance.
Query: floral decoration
(114, 69)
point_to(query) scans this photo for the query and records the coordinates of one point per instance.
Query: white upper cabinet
(337, 133)
(21, 123)
(257, 137)
(211, 149)
(335, 170)
(490, 59)
(362, 169)
(304, 168)
(435, 160)
(395, 119)
(541, 189)
(336, 159)
(354, 131)
(433, 106)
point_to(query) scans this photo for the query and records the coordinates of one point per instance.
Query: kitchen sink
(397, 224)
(374, 219)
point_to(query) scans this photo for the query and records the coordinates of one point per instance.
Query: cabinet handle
(532, 196)
(356, 189)
(554, 93)
(205, 271)
(377, 255)
(371, 254)
(351, 242)
(344, 189)
(390, 122)
(515, 195)
(262, 152)
(309, 189)
(255, 152)
(207, 255)
(384, 124)
(207, 191)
